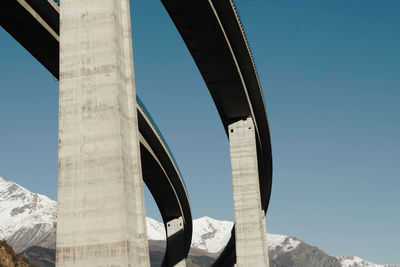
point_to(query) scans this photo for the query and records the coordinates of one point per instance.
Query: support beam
(176, 243)
(250, 230)
(101, 214)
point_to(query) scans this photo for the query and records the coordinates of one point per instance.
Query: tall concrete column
(101, 214)
(176, 243)
(250, 231)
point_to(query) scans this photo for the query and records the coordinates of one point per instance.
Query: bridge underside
(214, 36)
(35, 27)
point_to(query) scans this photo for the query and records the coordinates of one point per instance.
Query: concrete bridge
(97, 103)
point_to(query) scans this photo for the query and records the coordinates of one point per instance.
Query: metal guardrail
(153, 123)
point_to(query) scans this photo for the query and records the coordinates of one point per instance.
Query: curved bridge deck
(35, 25)
(213, 33)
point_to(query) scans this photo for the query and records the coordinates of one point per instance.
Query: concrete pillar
(176, 243)
(101, 214)
(250, 232)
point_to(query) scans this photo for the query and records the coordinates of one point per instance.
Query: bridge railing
(143, 107)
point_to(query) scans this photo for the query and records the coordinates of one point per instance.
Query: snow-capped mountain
(155, 230)
(26, 218)
(282, 243)
(210, 234)
(354, 261)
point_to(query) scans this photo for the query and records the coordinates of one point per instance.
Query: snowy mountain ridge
(28, 219)
(208, 234)
(212, 235)
(23, 207)
(350, 261)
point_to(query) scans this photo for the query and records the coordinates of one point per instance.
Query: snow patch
(28, 219)
(20, 208)
(155, 230)
(210, 234)
(282, 243)
(354, 261)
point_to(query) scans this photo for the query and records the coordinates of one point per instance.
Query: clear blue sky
(330, 72)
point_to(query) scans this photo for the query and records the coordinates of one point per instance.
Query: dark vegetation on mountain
(39, 256)
(302, 256)
(8, 258)
(29, 227)
(197, 257)
(44, 257)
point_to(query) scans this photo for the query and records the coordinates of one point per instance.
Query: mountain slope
(28, 223)
(210, 234)
(354, 261)
(39, 256)
(26, 218)
(8, 258)
(293, 252)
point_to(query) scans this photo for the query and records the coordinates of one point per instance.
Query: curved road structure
(216, 40)
(39, 35)
(164, 180)
(214, 36)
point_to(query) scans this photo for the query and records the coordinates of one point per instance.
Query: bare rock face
(302, 255)
(28, 224)
(8, 258)
(41, 234)
(44, 257)
(196, 258)
(39, 256)
(26, 219)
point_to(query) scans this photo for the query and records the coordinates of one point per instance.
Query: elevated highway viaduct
(35, 25)
(214, 35)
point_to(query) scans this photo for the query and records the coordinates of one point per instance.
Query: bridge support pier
(176, 243)
(250, 229)
(101, 214)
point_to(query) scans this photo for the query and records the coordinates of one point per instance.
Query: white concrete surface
(250, 230)
(101, 214)
(176, 242)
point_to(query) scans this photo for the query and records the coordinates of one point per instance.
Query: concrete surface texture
(175, 236)
(101, 211)
(250, 229)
